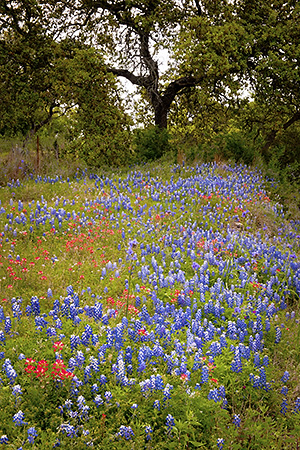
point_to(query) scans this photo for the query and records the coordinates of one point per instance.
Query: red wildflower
(142, 332)
(58, 346)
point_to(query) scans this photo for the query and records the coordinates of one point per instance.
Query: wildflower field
(153, 309)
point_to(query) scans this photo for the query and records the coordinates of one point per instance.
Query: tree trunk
(161, 116)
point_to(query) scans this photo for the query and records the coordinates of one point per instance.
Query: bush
(151, 143)
(102, 150)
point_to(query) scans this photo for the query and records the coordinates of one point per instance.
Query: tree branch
(138, 80)
(178, 85)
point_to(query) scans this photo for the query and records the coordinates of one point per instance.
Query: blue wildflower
(236, 420)
(126, 432)
(277, 335)
(170, 422)
(4, 439)
(284, 405)
(32, 433)
(220, 443)
(204, 374)
(108, 396)
(18, 419)
(148, 431)
(285, 377)
(17, 390)
(284, 390)
(297, 406)
(68, 429)
(98, 400)
(156, 405)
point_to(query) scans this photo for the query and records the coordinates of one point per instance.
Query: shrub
(151, 143)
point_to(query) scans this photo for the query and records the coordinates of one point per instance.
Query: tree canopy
(217, 51)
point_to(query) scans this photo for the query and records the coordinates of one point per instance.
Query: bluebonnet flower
(167, 392)
(4, 439)
(72, 363)
(262, 375)
(68, 429)
(87, 374)
(170, 422)
(7, 324)
(265, 360)
(214, 395)
(236, 420)
(2, 316)
(18, 419)
(220, 443)
(204, 374)
(284, 390)
(70, 290)
(236, 365)
(103, 379)
(80, 358)
(68, 404)
(156, 405)
(74, 341)
(35, 306)
(80, 402)
(126, 432)
(284, 405)
(2, 336)
(32, 433)
(277, 335)
(267, 325)
(108, 396)
(98, 400)
(128, 355)
(285, 377)
(16, 309)
(222, 392)
(256, 381)
(51, 331)
(148, 431)
(9, 370)
(120, 367)
(17, 390)
(297, 406)
(256, 360)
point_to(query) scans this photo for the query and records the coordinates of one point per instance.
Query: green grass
(175, 256)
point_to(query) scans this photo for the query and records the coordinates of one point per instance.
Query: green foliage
(235, 146)
(151, 143)
(98, 128)
(28, 98)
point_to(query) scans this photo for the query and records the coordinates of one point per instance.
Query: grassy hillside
(151, 308)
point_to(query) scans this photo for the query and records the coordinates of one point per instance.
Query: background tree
(27, 54)
(98, 128)
(45, 73)
(139, 30)
(273, 66)
(215, 49)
